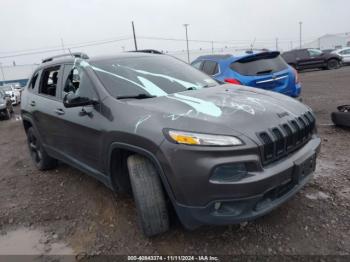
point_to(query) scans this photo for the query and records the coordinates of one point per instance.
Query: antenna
(252, 44)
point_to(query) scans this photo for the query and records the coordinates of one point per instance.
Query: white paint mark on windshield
(150, 87)
(170, 78)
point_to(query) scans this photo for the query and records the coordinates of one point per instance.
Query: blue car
(266, 70)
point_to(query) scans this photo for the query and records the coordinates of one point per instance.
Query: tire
(40, 158)
(148, 195)
(7, 114)
(332, 64)
(341, 119)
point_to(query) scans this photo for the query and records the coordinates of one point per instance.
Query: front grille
(280, 141)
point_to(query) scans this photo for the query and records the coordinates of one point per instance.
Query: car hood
(222, 110)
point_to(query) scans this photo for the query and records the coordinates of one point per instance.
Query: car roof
(230, 57)
(70, 59)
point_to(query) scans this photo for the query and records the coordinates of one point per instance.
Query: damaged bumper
(262, 189)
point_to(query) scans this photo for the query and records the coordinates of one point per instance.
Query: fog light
(229, 173)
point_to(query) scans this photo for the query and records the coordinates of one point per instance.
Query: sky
(31, 26)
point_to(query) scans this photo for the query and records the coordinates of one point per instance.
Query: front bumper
(247, 199)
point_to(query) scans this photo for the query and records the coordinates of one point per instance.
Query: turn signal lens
(189, 138)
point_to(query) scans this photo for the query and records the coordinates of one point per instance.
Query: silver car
(344, 53)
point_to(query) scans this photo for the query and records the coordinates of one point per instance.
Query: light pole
(134, 34)
(188, 51)
(300, 33)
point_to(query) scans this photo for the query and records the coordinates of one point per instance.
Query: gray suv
(154, 126)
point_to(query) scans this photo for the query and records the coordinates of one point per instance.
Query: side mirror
(73, 100)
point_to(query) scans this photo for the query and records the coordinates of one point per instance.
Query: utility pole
(188, 51)
(300, 33)
(291, 45)
(133, 31)
(212, 47)
(319, 43)
(62, 44)
(276, 44)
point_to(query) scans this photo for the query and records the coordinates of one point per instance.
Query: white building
(330, 41)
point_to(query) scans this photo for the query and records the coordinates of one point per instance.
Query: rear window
(259, 65)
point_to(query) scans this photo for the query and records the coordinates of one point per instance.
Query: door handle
(59, 111)
(32, 103)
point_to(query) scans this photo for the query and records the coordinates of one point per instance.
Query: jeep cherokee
(159, 128)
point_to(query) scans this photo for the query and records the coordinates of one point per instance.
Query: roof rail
(77, 55)
(150, 51)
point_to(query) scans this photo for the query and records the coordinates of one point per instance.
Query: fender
(148, 155)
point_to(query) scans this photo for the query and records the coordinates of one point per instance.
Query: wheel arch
(118, 152)
(28, 123)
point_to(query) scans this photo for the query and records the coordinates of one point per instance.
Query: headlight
(189, 138)
(2, 105)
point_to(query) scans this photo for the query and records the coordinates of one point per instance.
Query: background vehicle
(153, 125)
(15, 95)
(327, 51)
(344, 53)
(5, 105)
(311, 58)
(266, 70)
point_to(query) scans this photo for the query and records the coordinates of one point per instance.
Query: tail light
(297, 80)
(232, 81)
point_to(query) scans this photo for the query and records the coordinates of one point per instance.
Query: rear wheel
(148, 195)
(40, 158)
(7, 114)
(333, 64)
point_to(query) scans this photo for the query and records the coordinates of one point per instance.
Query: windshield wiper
(264, 72)
(137, 96)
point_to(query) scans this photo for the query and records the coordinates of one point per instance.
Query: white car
(344, 53)
(14, 94)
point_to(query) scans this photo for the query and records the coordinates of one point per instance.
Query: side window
(197, 65)
(78, 82)
(210, 67)
(49, 81)
(314, 52)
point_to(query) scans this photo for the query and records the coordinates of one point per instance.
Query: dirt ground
(66, 212)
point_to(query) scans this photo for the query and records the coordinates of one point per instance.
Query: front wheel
(39, 156)
(148, 195)
(333, 64)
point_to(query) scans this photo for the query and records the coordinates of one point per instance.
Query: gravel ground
(66, 212)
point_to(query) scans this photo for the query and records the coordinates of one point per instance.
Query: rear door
(303, 59)
(316, 58)
(45, 102)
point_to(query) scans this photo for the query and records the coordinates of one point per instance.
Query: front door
(80, 137)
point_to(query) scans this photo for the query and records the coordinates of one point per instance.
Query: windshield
(157, 75)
